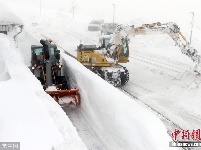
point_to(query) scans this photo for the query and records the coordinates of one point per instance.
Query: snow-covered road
(173, 86)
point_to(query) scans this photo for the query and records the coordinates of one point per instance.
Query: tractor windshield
(51, 51)
(38, 51)
(106, 42)
(38, 56)
(125, 50)
(52, 55)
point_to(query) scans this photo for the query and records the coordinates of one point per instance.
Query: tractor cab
(123, 50)
(38, 55)
(54, 54)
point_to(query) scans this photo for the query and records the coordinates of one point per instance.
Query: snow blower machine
(46, 67)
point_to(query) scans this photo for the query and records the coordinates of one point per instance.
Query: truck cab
(95, 25)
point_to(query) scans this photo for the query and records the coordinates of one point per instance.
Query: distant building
(6, 27)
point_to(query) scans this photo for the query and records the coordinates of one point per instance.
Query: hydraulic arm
(122, 32)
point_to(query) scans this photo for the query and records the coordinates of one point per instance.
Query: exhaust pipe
(48, 73)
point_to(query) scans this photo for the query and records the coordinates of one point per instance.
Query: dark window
(38, 51)
(125, 50)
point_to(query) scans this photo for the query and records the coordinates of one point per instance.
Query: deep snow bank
(25, 119)
(3, 71)
(9, 17)
(118, 120)
(27, 114)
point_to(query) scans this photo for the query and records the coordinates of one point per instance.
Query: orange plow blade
(66, 97)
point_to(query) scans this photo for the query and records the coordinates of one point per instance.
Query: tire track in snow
(156, 63)
(161, 116)
(145, 90)
(137, 98)
(155, 60)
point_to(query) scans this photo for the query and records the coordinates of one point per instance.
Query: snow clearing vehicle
(48, 70)
(100, 61)
(114, 49)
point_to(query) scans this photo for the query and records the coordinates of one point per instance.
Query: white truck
(95, 25)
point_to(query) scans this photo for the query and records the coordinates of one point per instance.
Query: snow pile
(9, 17)
(3, 71)
(27, 114)
(113, 115)
(24, 118)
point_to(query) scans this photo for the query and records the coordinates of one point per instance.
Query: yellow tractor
(104, 60)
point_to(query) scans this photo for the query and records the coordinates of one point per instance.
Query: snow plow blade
(66, 97)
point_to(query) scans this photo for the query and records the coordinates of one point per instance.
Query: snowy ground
(161, 77)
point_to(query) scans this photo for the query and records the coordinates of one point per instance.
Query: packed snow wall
(3, 71)
(27, 114)
(119, 122)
